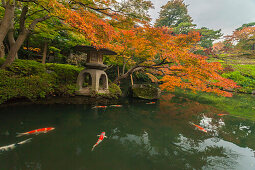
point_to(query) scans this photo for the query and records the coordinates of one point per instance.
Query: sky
(226, 15)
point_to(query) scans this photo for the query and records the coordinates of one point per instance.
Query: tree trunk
(44, 52)
(14, 49)
(22, 36)
(6, 21)
(124, 66)
(11, 37)
(2, 52)
(131, 78)
(118, 70)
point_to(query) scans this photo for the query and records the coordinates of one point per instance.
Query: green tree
(246, 25)
(208, 36)
(175, 14)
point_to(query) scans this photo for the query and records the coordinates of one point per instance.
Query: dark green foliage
(31, 87)
(65, 73)
(145, 91)
(114, 90)
(65, 89)
(246, 25)
(29, 79)
(26, 68)
(208, 36)
(1, 61)
(173, 13)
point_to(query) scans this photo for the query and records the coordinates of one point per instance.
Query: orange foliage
(94, 27)
(149, 46)
(218, 47)
(245, 33)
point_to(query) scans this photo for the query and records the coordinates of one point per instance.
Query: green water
(140, 136)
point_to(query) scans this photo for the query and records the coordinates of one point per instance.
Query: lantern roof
(86, 49)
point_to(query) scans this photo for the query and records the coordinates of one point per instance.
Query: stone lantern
(93, 78)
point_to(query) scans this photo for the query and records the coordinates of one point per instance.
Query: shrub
(26, 68)
(29, 79)
(247, 83)
(65, 90)
(1, 61)
(66, 74)
(31, 87)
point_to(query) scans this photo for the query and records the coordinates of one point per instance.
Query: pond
(140, 135)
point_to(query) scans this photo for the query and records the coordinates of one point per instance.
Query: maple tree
(158, 51)
(242, 41)
(245, 38)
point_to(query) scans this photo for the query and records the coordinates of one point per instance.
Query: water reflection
(140, 136)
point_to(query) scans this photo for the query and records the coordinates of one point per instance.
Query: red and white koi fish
(96, 107)
(101, 137)
(151, 103)
(12, 146)
(222, 114)
(37, 131)
(200, 128)
(116, 106)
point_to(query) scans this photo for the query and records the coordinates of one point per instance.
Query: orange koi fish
(200, 128)
(37, 131)
(116, 106)
(222, 114)
(101, 137)
(96, 107)
(151, 103)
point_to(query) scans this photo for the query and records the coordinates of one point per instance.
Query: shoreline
(61, 100)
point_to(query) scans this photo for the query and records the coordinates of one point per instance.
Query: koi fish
(222, 114)
(151, 103)
(96, 107)
(200, 128)
(37, 131)
(12, 146)
(116, 106)
(101, 137)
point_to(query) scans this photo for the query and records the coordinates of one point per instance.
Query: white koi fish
(12, 146)
(101, 137)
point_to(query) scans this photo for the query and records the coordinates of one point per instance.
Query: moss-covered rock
(145, 91)
(114, 92)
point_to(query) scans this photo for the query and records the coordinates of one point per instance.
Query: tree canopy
(173, 13)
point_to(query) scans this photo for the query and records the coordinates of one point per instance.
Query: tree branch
(138, 67)
(36, 21)
(23, 18)
(3, 3)
(35, 12)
